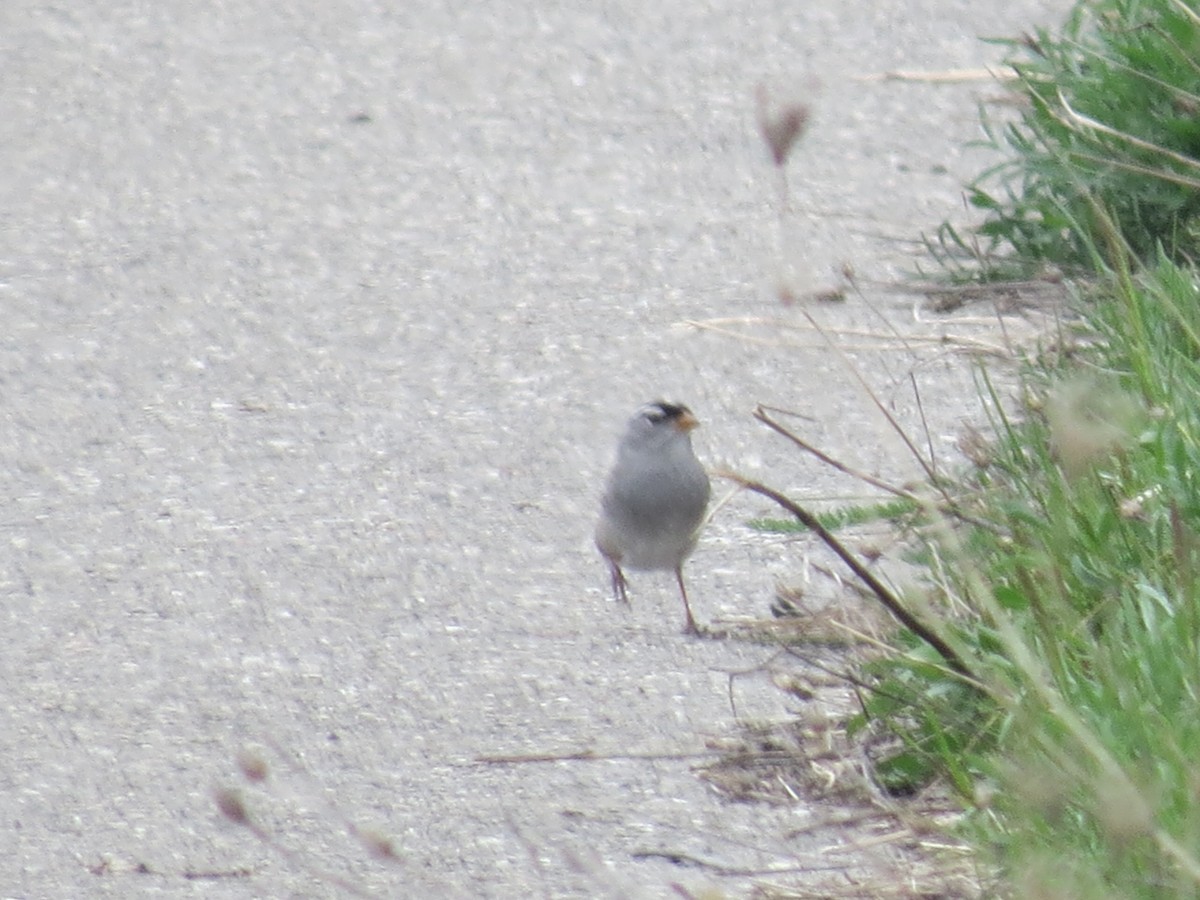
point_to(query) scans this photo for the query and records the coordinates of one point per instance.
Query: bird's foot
(620, 586)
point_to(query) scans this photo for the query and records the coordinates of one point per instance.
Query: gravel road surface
(318, 323)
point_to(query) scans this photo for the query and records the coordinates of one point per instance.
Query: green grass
(1109, 120)
(844, 517)
(1078, 615)
(1075, 747)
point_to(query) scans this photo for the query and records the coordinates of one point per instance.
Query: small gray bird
(655, 499)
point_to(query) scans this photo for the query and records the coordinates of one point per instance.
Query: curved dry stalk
(877, 587)
(926, 465)
(943, 76)
(873, 340)
(761, 413)
(947, 506)
(1077, 118)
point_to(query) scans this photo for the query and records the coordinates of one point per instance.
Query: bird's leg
(619, 585)
(690, 626)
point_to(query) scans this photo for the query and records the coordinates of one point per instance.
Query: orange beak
(686, 422)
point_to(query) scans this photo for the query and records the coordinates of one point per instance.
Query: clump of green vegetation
(1109, 121)
(1048, 668)
(1079, 618)
(1073, 737)
(900, 508)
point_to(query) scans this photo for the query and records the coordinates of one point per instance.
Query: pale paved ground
(317, 323)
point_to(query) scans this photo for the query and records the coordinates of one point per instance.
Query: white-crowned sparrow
(655, 499)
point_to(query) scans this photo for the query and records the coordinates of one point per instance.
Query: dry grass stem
(511, 759)
(763, 414)
(812, 760)
(943, 76)
(876, 341)
(1079, 119)
(878, 589)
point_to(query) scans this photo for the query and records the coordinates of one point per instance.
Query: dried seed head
(253, 766)
(231, 805)
(378, 844)
(781, 127)
(1133, 508)
(1089, 421)
(974, 445)
(1122, 810)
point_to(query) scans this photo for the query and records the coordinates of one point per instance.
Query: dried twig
(501, 759)
(878, 588)
(762, 413)
(947, 506)
(686, 859)
(944, 76)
